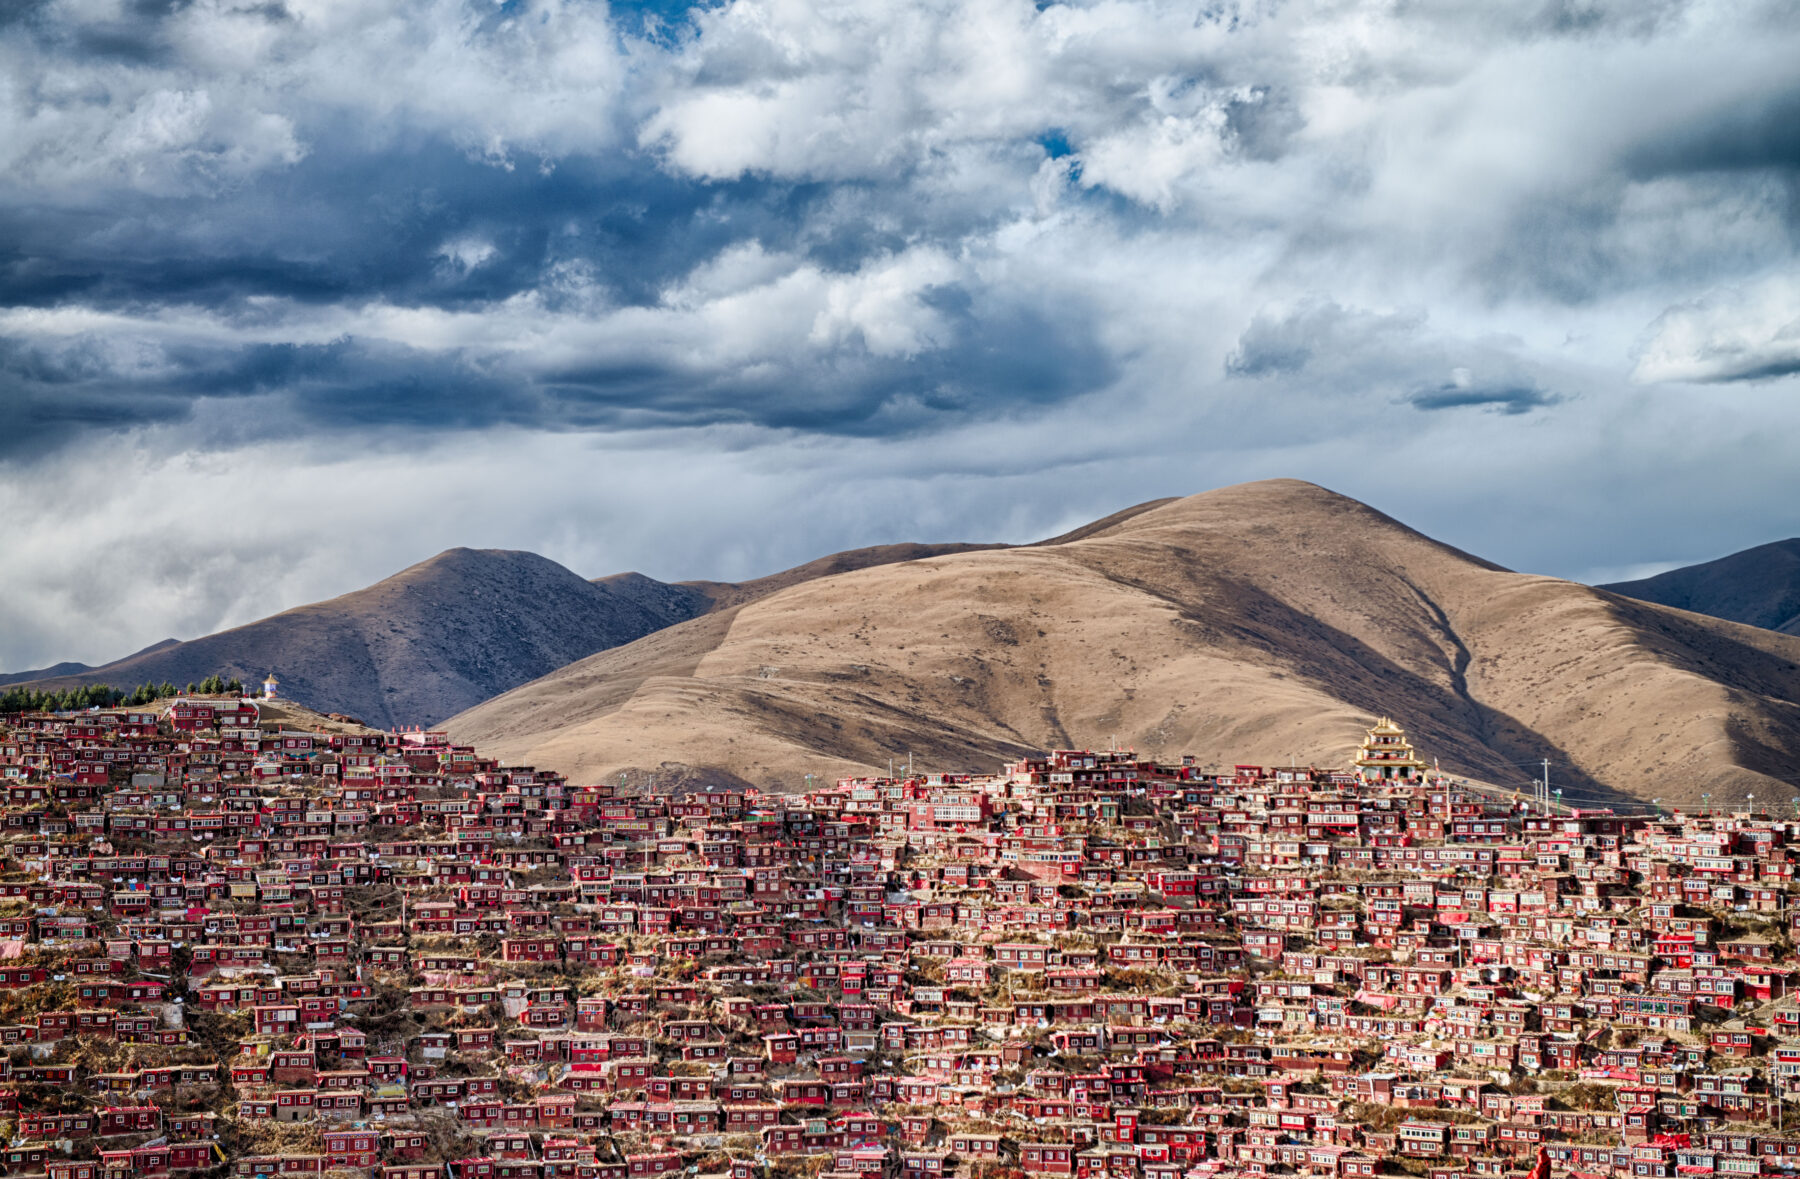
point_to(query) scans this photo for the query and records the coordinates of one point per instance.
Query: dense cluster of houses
(391, 957)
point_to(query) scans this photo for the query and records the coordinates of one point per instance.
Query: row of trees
(20, 699)
(17, 699)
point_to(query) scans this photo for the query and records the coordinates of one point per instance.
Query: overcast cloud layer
(295, 293)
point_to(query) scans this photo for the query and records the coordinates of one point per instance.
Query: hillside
(430, 641)
(70, 671)
(722, 595)
(1758, 587)
(1259, 622)
(447, 633)
(57, 671)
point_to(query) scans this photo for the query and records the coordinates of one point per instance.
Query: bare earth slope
(428, 642)
(70, 671)
(725, 594)
(449, 632)
(1260, 622)
(722, 595)
(1758, 587)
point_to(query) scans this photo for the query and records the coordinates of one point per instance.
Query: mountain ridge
(1263, 621)
(435, 638)
(71, 668)
(1757, 586)
(340, 654)
(1255, 622)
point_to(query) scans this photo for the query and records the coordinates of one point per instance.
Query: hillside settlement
(241, 947)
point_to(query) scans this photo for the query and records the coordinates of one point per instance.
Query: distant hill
(445, 634)
(430, 641)
(1261, 623)
(8, 678)
(64, 670)
(1758, 587)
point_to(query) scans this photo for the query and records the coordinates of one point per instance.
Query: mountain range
(1758, 587)
(1267, 622)
(442, 635)
(429, 641)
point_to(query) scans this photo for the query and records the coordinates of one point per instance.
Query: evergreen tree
(17, 699)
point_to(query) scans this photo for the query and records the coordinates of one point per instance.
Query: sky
(295, 293)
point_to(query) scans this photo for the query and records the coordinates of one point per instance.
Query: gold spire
(1387, 756)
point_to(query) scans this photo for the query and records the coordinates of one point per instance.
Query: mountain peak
(1758, 587)
(1259, 622)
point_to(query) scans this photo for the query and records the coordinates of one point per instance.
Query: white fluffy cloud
(210, 94)
(1734, 334)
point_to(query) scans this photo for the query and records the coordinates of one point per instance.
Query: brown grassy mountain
(70, 671)
(447, 633)
(430, 641)
(722, 595)
(1255, 623)
(1758, 587)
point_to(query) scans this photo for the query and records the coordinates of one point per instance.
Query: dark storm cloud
(416, 221)
(56, 392)
(994, 359)
(1509, 399)
(987, 359)
(297, 234)
(40, 416)
(1760, 134)
(1761, 370)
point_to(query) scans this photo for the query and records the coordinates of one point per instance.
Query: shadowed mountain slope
(447, 633)
(1260, 622)
(1758, 587)
(70, 671)
(430, 641)
(57, 671)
